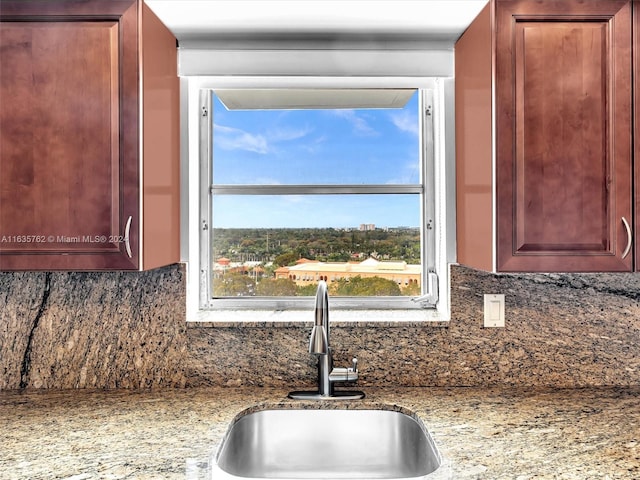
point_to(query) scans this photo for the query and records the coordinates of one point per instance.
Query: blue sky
(280, 147)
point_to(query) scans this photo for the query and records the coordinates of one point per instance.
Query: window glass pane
(269, 245)
(316, 146)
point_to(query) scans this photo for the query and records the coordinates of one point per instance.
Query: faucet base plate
(338, 395)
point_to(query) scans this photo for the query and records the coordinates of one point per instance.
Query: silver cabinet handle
(627, 249)
(127, 228)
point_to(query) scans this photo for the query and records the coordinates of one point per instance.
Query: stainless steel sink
(326, 444)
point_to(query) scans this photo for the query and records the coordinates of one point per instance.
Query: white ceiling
(319, 20)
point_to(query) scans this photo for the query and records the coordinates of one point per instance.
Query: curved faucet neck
(319, 341)
(322, 306)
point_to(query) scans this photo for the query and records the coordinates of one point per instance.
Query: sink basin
(326, 444)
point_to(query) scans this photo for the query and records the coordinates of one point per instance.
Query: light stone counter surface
(171, 434)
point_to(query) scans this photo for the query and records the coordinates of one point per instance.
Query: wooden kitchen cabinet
(544, 137)
(89, 137)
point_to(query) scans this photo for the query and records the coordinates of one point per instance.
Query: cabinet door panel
(563, 153)
(562, 163)
(62, 197)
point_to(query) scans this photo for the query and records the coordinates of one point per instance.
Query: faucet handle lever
(354, 361)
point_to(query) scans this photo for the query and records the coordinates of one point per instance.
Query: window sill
(304, 318)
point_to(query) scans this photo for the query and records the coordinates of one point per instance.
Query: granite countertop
(489, 433)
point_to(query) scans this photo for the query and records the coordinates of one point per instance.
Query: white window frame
(432, 305)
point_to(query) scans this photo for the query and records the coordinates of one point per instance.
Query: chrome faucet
(319, 345)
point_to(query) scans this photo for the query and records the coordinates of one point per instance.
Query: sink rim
(441, 472)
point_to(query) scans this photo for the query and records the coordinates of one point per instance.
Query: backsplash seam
(26, 360)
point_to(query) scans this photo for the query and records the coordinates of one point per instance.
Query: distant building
(307, 272)
(367, 227)
(224, 265)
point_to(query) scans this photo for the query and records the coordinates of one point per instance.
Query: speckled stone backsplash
(128, 330)
(98, 330)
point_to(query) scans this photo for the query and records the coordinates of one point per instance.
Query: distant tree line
(286, 245)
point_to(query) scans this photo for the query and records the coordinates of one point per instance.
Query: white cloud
(359, 123)
(230, 138)
(406, 121)
(287, 134)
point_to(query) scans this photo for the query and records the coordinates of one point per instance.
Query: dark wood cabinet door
(563, 135)
(68, 135)
(636, 132)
